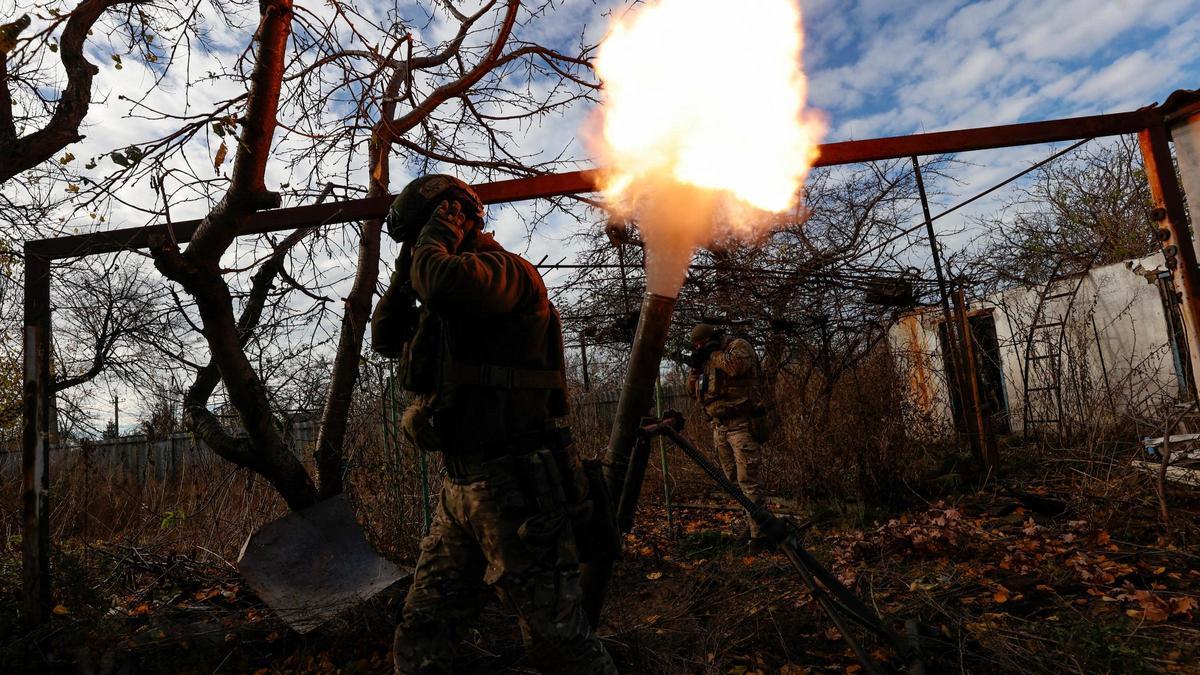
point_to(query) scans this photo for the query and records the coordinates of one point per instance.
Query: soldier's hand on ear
(448, 226)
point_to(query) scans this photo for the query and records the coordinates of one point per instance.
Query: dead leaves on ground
(1009, 561)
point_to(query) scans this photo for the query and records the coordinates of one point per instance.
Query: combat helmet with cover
(703, 332)
(415, 204)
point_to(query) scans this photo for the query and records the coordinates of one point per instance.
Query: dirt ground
(1057, 576)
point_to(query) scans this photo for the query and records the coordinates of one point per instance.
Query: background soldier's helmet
(703, 332)
(416, 202)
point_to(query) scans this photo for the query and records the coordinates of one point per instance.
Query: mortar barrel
(637, 393)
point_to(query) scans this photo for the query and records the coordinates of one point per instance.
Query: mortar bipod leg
(833, 597)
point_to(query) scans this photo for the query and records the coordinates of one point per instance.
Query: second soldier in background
(725, 381)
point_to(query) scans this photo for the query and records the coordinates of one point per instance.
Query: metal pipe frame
(38, 386)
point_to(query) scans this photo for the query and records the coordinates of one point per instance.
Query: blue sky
(886, 67)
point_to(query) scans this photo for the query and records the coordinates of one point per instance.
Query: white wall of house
(1116, 353)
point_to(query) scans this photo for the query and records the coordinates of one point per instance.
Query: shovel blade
(311, 565)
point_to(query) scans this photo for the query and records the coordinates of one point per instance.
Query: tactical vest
(723, 394)
(488, 409)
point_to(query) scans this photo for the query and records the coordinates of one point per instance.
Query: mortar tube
(648, 344)
(637, 394)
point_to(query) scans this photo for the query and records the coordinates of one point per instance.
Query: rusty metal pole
(955, 376)
(38, 393)
(983, 442)
(1171, 217)
(587, 380)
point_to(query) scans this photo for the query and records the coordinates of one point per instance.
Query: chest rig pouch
(423, 356)
(431, 371)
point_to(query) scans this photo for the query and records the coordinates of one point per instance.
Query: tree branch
(62, 130)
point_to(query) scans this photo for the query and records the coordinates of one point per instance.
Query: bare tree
(1091, 207)
(36, 138)
(393, 106)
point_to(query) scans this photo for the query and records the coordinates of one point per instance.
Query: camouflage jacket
(484, 309)
(726, 384)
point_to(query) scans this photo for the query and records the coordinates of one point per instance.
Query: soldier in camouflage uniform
(723, 380)
(483, 353)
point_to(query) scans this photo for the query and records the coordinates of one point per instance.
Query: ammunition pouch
(422, 356)
(756, 415)
(559, 489)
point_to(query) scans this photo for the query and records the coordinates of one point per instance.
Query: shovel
(311, 565)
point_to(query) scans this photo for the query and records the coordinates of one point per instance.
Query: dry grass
(132, 558)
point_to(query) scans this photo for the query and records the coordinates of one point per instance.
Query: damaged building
(1081, 350)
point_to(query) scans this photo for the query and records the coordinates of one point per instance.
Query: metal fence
(139, 460)
(136, 460)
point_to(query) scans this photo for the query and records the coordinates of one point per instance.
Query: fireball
(703, 112)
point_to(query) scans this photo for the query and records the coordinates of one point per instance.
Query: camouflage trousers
(486, 532)
(741, 458)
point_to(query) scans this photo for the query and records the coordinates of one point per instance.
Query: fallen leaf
(1001, 595)
(1184, 605)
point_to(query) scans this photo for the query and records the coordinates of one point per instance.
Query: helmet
(703, 332)
(415, 204)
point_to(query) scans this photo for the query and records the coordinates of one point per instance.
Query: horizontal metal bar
(988, 138)
(277, 220)
(578, 182)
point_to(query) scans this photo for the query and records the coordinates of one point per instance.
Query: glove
(700, 356)
(448, 226)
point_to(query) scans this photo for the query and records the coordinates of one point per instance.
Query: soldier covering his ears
(483, 356)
